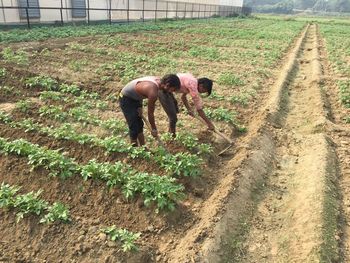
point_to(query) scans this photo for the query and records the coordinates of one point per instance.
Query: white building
(58, 11)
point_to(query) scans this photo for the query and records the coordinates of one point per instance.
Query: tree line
(289, 6)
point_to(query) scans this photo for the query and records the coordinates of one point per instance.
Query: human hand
(154, 133)
(211, 127)
(191, 113)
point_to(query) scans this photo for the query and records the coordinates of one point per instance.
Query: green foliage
(7, 195)
(19, 57)
(216, 96)
(159, 189)
(24, 105)
(10, 90)
(77, 65)
(221, 114)
(2, 72)
(190, 142)
(124, 236)
(70, 89)
(115, 125)
(55, 112)
(185, 164)
(4, 117)
(209, 53)
(344, 92)
(52, 95)
(56, 212)
(112, 41)
(44, 82)
(162, 190)
(229, 79)
(51, 160)
(30, 203)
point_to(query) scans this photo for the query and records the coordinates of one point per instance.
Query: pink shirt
(189, 84)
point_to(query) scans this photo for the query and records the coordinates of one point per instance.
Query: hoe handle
(216, 130)
(150, 128)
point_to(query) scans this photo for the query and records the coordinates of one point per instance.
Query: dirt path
(340, 134)
(286, 205)
(289, 223)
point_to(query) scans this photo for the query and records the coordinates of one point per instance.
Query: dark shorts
(130, 110)
(170, 106)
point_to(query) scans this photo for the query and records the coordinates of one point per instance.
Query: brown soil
(261, 202)
(284, 206)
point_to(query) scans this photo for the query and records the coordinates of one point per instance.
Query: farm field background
(62, 132)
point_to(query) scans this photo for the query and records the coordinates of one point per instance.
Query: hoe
(222, 135)
(150, 129)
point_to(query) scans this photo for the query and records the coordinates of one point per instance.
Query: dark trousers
(130, 110)
(170, 106)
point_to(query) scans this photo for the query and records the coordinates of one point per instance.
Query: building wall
(192, 8)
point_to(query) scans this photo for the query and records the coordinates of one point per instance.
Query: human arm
(151, 107)
(206, 119)
(187, 105)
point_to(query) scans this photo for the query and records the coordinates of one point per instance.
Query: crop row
(338, 47)
(31, 203)
(41, 33)
(162, 190)
(174, 164)
(56, 91)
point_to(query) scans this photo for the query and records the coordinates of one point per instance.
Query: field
(74, 190)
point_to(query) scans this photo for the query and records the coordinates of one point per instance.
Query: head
(205, 85)
(170, 83)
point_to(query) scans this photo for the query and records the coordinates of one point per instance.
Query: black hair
(207, 84)
(172, 80)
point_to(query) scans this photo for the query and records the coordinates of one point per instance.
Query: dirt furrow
(340, 134)
(289, 225)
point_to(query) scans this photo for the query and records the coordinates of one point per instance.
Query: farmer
(189, 85)
(131, 98)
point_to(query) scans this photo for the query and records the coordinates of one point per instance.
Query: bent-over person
(192, 86)
(131, 98)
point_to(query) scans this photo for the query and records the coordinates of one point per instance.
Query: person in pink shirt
(192, 86)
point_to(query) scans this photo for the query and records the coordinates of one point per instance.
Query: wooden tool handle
(150, 129)
(224, 136)
(216, 130)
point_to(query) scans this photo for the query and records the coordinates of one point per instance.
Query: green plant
(51, 160)
(77, 65)
(71, 89)
(56, 212)
(55, 112)
(2, 72)
(7, 195)
(344, 92)
(229, 79)
(24, 105)
(30, 203)
(10, 90)
(42, 82)
(19, 57)
(51, 95)
(209, 53)
(124, 236)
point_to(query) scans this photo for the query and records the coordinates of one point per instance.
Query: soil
(267, 200)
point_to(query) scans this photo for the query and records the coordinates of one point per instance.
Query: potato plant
(31, 203)
(126, 237)
(162, 190)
